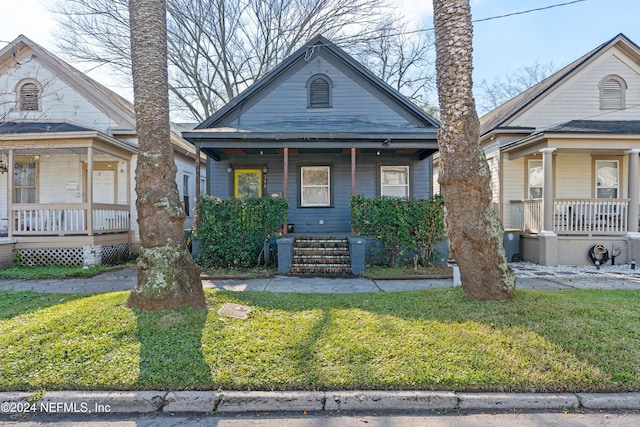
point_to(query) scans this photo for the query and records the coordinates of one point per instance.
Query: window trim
(36, 187)
(528, 175)
(594, 177)
(19, 93)
(309, 85)
(329, 186)
(607, 97)
(407, 185)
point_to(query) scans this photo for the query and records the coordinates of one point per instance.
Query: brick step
(320, 255)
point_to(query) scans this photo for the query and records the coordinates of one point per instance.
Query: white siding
(579, 98)
(513, 186)
(59, 101)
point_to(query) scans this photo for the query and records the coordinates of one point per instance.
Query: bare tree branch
(218, 48)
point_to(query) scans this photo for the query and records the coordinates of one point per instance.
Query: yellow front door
(247, 183)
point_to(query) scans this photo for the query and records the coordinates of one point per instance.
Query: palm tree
(475, 232)
(167, 276)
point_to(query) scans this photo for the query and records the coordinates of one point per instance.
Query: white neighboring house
(564, 161)
(68, 150)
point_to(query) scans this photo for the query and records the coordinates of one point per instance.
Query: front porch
(68, 197)
(576, 199)
(585, 217)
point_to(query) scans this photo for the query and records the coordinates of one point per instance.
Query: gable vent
(612, 94)
(319, 93)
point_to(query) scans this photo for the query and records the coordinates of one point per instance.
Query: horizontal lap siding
(289, 100)
(336, 218)
(579, 98)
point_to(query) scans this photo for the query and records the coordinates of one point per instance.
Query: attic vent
(29, 97)
(612, 90)
(319, 88)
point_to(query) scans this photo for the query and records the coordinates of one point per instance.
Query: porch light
(264, 169)
(229, 169)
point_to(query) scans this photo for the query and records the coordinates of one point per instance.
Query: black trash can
(511, 243)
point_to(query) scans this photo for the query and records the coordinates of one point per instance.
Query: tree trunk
(167, 276)
(475, 232)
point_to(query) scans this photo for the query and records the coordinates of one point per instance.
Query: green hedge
(403, 226)
(231, 233)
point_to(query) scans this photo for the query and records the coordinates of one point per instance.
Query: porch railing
(57, 219)
(573, 216)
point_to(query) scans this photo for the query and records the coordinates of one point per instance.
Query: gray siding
(289, 99)
(336, 218)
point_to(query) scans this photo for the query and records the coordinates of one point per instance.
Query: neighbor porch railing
(60, 219)
(573, 216)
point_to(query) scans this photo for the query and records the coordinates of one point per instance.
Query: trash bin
(511, 243)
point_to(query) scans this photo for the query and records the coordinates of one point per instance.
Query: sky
(502, 46)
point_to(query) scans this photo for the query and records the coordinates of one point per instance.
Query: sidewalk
(529, 276)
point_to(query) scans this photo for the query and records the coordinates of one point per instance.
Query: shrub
(402, 225)
(231, 233)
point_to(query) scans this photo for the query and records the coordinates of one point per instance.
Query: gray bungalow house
(331, 127)
(315, 130)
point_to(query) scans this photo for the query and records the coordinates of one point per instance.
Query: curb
(221, 402)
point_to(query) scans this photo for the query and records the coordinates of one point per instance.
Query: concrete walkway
(529, 277)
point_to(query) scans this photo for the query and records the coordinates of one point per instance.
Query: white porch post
(10, 220)
(548, 239)
(632, 190)
(90, 191)
(547, 193)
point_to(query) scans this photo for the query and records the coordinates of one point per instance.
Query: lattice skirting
(111, 254)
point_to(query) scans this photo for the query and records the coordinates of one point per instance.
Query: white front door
(104, 189)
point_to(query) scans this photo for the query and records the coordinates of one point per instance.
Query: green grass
(52, 272)
(433, 339)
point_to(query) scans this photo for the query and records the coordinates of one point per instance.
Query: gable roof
(501, 116)
(99, 95)
(302, 54)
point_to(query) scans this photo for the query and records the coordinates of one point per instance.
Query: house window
(315, 186)
(394, 181)
(535, 179)
(607, 174)
(29, 97)
(319, 92)
(25, 181)
(185, 194)
(612, 93)
(247, 183)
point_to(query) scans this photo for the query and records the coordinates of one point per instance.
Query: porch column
(197, 171)
(353, 171)
(353, 177)
(632, 193)
(547, 193)
(285, 192)
(10, 220)
(90, 191)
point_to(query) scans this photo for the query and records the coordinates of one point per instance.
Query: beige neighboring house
(564, 160)
(68, 151)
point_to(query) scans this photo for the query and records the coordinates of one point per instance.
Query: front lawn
(434, 339)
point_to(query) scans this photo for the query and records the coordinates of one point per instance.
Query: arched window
(29, 97)
(319, 91)
(612, 91)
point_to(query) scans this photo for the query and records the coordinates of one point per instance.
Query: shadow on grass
(566, 332)
(171, 350)
(16, 303)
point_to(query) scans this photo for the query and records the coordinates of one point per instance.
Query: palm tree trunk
(167, 276)
(475, 232)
